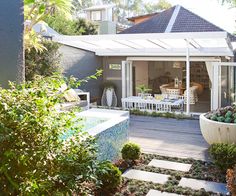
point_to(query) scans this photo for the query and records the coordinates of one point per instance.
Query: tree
(155, 7)
(36, 11)
(231, 2)
(129, 8)
(72, 27)
(79, 5)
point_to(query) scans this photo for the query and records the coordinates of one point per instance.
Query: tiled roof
(187, 21)
(156, 24)
(175, 19)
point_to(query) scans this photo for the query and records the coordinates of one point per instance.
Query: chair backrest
(171, 91)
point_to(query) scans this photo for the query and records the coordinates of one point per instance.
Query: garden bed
(199, 170)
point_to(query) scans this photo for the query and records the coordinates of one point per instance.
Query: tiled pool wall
(111, 140)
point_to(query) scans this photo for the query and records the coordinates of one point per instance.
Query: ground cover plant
(200, 170)
(160, 114)
(35, 157)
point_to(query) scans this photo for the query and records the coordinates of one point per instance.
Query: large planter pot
(217, 132)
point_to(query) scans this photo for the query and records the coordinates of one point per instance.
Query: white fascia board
(163, 52)
(192, 35)
(120, 53)
(173, 58)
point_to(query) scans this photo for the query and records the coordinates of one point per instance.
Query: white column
(187, 78)
(130, 78)
(216, 86)
(123, 77)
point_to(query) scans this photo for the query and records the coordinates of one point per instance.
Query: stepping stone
(146, 176)
(207, 185)
(156, 193)
(170, 165)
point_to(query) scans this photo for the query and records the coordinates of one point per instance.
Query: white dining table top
(153, 100)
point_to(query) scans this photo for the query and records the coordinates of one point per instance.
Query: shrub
(35, 159)
(43, 63)
(131, 152)
(226, 114)
(109, 176)
(223, 155)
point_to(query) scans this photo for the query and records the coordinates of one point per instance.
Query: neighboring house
(141, 18)
(104, 16)
(175, 44)
(11, 41)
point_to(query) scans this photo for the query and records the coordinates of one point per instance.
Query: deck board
(170, 137)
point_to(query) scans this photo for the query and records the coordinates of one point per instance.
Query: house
(104, 16)
(141, 18)
(174, 45)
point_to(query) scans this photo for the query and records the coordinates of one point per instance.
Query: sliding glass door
(227, 85)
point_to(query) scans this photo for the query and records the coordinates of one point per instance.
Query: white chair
(173, 93)
(192, 95)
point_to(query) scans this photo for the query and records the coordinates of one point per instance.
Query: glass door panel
(227, 87)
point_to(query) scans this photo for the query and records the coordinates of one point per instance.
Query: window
(96, 15)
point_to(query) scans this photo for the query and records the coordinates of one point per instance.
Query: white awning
(152, 44)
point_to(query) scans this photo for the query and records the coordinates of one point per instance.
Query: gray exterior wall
(11, 41)
(113, 76)
(80, 64)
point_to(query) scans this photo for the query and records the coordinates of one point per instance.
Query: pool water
(86, 123)
(90, 122)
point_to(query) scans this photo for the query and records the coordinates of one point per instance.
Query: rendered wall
(80, 64)
(11, 41)
(114, 76)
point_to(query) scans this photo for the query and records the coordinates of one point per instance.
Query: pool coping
(115, 117)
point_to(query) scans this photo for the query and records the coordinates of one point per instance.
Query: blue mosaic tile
(111, 140)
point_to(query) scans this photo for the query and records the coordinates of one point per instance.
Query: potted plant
(219, 126)
(109, 96)
(142, 89)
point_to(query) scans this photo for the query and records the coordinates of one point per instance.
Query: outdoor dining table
(152, 104)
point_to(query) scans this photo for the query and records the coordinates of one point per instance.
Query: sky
(212, 10)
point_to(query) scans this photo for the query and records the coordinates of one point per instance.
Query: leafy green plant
(67, 26)
(160, 114)
(131, 152)
(36, 11)
(36, 158)
(143, 89)
(110, 177)
(223, 155)
(225, 114)
(44, 63)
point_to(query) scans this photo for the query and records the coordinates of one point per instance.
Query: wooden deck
(170, 137)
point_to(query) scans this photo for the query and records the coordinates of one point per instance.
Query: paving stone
(146, 176)
(207, 185)
(156, 193)
(170, 165)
